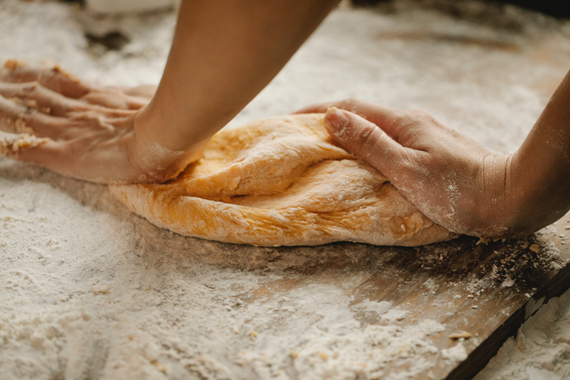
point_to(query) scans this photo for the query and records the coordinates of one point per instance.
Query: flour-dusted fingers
(114, 98)
(34, 95)
(53, 78)
(69, 86)
(391, 120)
(138, 97)
(359, 107)
(365, 139)
(17, 118)
(14, 145)
(40, 151)
(322, 107)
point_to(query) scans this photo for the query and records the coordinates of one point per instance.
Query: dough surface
(282, 181)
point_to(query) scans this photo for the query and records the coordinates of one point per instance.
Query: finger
(53, 78)
(388, 118)
(16, 118)
(140, 96)
(113, 98)
(137, 102)
(356, 106)
(13, 145)
(43, 99)
(145, 91)
(364, 139)
(33, 95)
(35, 150)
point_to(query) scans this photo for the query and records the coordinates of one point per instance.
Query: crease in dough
(282, 182)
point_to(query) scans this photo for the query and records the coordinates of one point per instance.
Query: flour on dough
(282, 181)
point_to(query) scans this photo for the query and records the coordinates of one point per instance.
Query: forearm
(538, 177)
(223, 54)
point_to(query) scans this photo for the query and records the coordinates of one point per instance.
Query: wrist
(150, 151)
(491, 213)
(488, 207)
(539, 196)
(518, 199)
(499, 207)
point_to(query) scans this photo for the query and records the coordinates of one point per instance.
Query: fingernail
(336, 122)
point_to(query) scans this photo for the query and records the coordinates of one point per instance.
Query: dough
(282, 181)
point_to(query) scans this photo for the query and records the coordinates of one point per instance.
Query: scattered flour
(540, 350)
(89, 291)
(455, 354)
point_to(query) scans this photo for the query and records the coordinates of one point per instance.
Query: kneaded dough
(282, 181)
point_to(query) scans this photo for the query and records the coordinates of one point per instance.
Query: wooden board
(485, 290)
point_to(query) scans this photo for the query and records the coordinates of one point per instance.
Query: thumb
(363, 139)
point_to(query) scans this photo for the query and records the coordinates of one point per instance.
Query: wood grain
(484, 290)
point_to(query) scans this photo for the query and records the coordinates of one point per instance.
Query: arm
(454, 181)
(222, 56)
(539, 174)
(224, 52)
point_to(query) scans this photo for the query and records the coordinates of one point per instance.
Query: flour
(541, 348)
(89, 291)
(455, 354)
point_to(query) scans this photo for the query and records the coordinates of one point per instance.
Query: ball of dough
(282, 182)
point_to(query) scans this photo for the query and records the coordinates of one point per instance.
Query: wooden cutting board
(480, 292)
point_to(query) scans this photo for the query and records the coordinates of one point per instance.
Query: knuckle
(407, 160)
(366, 141)
(29, 88)
(349, 104)
(365, 136)
(420, 116)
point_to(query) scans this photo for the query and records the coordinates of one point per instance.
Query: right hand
(447, 176)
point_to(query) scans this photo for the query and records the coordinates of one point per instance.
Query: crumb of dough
(58, 69)
(464, 335)
(103, 290)
(483, 240)
(21, 127)
(32, 103)
(11, 143)
(535, 248)
(161, 367)
(12, 64)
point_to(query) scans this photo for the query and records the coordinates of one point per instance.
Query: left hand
(79, 129)
(447, 176)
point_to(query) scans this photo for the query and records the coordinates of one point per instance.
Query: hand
(447, 176)
(77, 129)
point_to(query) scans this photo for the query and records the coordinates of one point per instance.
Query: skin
(223, 54)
